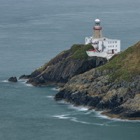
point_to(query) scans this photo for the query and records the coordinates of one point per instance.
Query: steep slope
(126, 65)
(113, 87)
(64, 66)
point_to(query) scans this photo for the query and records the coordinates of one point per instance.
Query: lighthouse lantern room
(97, 29)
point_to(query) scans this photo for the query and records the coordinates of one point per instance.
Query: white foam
(50, 97)
(23, 80)
(65, 116)
(74, 119)
(56, 89)
(61, 116)
(84, 122)
(28, 85)
(5, 81)
(63, 102)
(77, 121)
(97, 113)
(78, 108)
(89, 112)
(100, 115)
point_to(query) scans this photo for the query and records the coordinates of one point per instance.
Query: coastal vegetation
(79, 51)
(111, 86)
(126, 65)
(65, 65)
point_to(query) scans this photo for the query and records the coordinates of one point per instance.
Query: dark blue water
(34, 31)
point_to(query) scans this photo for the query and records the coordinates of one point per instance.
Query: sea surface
(34, 31)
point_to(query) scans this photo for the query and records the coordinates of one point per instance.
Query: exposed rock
(12, 79)
(24, 76)
(114, 87)
(64, 66)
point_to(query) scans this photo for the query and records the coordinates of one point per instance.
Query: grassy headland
(125, 65)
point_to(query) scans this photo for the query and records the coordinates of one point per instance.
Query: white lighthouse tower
(97, 29)
(102, 46)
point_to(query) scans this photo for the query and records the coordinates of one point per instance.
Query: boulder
(12, 79)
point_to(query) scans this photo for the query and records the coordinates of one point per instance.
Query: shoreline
(118, 117)
(103, 113)
(94, 82)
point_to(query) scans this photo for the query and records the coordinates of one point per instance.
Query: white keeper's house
(102, 46)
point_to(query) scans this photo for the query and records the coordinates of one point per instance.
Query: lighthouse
(97, 29)
(102, 46)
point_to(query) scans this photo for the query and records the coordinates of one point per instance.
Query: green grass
(79, 51)
(125, 65)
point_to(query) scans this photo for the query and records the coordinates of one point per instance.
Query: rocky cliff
(113, 87)
(64, 66)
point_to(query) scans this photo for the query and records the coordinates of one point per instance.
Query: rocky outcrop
(113, 88)
(96, 91)
(12, 79)
(24, 76)
(64, 66)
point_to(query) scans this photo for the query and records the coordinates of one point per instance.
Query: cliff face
(113, 87)
(64, 66)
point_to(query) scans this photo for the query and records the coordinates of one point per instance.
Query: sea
(34, 31)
